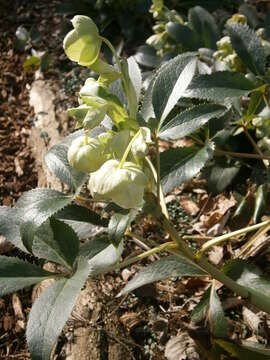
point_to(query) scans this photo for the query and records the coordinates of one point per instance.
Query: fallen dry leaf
(189, 205)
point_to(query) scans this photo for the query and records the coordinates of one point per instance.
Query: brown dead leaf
(215, 255)
(131, 320)
(189, 205)
(181, 347)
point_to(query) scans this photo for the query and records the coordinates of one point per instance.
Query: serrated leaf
(190, 120)
(94, 246)
(203, 23)
(247, 350)
(51, 311)
(57, 242)
(184, 35)
(11, 229)
(105, 259)
(35, 207)
(218, 322)
(219, 87)
(248, 47)
(165, 268)
(117, 226)
(81, 214)
(171, 82)
(57, 162)
(181, 164)
(16, 274)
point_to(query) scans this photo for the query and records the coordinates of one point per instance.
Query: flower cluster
(115, 158)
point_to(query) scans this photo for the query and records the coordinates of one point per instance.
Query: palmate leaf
(51, 311)
(218, 322)
(16, 274)
(181, 164)
(248, 47)
(171, 82)
(146, 56)
(11, 229)
(165, 268)
(57, 242)
(219, 87)
(190, 120)
(135, 76)
(35, 207)
(94, 246)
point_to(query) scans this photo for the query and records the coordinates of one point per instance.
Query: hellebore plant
(117, 126)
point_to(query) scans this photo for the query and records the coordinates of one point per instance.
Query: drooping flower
(82, 44)
(86, 157)
(124, 186)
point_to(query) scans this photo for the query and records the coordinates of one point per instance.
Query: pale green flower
(124, 186)
(87, 116)
(86, 157)
(82, 44)
(140, 145)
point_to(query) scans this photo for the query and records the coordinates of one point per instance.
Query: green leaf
(117, 226)
(35, 207)
(248, 47)
(200, 310)
(146, 56)
(181, 164)
(250, 277)
(219, 87)
(220, 176)
(135, 76)
(147, 110)
(171, 82)
(11, 229)
(203, 23)
(57, 162)
(16, 274)
(105, 259)
(57, 242)
(184, 35)
(81, 214)
(94, 246)
(246, 350)
(260, 203)
(51, 311)
(218, 322)
(190, 120)
(165, 268)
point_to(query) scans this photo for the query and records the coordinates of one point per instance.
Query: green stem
(162, 198)
(110, 46)
(157, 166)
(125, 263)
(222, 238)
(128, 149)
(132, 111)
